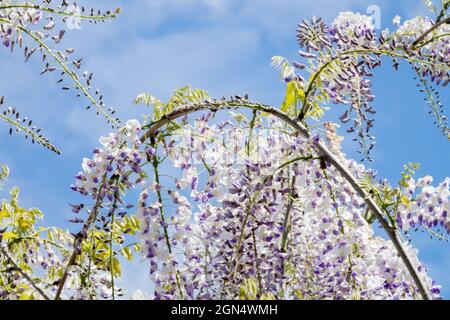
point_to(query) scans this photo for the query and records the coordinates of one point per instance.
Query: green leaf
(294, 95)
(182, 96)
(405, 200)
(283, 65)
(147, 99)
(249, 289)
(126, 252)
(4, 173)
(9, 235)
(430, 5)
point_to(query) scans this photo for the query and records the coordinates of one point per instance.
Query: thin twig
(430, 30)
(111, 245)
(287, 216)
(78, 241)
(155, 164)
(23, 273)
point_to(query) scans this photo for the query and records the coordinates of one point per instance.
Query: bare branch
(77, 243)
(23, 273)
(426, 33)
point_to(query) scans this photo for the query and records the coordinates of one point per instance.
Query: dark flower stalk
(23, 273)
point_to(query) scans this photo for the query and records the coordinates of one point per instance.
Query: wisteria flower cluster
(341, 58)
(114, 168)
(88, 270)
(428, 208)
(257, 213)
(288, 226)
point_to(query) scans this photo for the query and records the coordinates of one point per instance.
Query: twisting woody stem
(426, 33)
(321, 147)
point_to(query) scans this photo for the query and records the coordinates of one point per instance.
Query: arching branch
(321, 147)
(93, 17)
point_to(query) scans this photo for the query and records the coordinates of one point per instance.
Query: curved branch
(23, 273)
(443, 35)
(321, 147)
(426, 33)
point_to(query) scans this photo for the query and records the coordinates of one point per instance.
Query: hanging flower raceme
(258, 208)
(39, 29)
(428, 208)
(114, 169)
(26, 248)
(119, 155)
(313, 35)
(340, 59)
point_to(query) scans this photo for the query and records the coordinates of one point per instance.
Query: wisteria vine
(246, 200)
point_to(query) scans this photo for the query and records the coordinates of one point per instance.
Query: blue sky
(225, 47)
